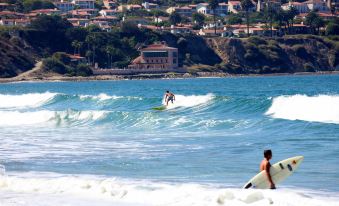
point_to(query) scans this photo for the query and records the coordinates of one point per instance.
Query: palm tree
(247, 5)
(110, 52)
(213, 4)
(80, 44)
(75, 44)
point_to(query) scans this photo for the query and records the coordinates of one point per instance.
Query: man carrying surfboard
(169, 96)
(266, 165)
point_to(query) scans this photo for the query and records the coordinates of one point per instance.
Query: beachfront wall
(156, 56)
(136, 71)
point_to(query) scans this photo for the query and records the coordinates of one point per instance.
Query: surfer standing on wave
(169, 96)
(266, 165)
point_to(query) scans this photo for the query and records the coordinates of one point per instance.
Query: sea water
(100, 143)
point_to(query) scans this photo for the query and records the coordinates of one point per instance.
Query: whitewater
(101, 143)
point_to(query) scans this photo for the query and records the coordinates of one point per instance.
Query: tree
(51, 24)
(175, 18)
(75, 45)
(234, 19)
(314, 21)
(247, 5)
(332, 28)
(139, 2)
(290, 15)
(29, 5)
(213, 4)
(198, 18)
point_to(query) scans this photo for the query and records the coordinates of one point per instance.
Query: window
(175, 54)
(155, 54)
(174, 61)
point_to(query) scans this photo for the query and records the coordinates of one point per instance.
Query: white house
(108, 12)
(204, 8)
(301, 7)
(149, 6)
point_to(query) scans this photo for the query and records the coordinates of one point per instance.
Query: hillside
(279, 55)
(15, 57)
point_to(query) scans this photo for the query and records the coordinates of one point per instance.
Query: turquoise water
(214, 134)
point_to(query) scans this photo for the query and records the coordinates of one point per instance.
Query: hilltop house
(204, 8)
(156, 56)
(234, 6)
(110, 4)
(301, 7)
(64, 6)
(84, 4)
(317, 5)
(184, 11)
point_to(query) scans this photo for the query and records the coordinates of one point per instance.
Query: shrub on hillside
(54, 65)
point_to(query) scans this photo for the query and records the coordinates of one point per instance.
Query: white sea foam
(100, 97)
(15, 118)
(25, 100)
(189, 101)
(321, 108)
(40, 188)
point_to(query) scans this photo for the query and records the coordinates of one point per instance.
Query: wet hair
(167, 91)
(267, 153)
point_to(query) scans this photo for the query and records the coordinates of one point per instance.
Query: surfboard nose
(297, 160)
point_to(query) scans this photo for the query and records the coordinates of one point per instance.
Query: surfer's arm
(267, 169)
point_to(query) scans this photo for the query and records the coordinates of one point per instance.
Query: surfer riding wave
(169, 96)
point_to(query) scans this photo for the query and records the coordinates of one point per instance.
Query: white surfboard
(279, 172)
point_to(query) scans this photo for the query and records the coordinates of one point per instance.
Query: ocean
(100, 142)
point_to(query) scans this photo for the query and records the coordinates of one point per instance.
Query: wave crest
(321, 108)
(15, 118)
(25, 100)
(189, 101)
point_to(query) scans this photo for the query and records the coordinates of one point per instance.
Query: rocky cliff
(279, 55)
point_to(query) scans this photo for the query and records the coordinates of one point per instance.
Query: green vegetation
(61, 63)
(247, 5)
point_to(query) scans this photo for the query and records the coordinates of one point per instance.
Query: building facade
(84, 4)
(156, 56)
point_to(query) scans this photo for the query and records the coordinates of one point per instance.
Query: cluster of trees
(61, 63)
(50, 34)
(29, 5)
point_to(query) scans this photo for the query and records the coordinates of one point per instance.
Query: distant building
(14, 22)
(234, 6)
(184, 11)
(156, 56)
(204, 8)
(108, 12)
(45, 12)
(149, 6)
(84, 4)
(317, 5)
(301, 7)
(64, 6)
(6, 6)
(130, 7)
(110, 4)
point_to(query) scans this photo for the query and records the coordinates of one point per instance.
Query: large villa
(156, 56)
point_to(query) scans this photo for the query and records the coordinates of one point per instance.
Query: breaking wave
(25, 100)
(189, 101)
(321, 108)
(14, 118)
(100, 190)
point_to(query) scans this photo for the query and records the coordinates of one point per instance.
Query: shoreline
(156, 76)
